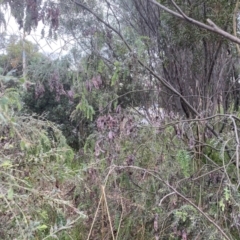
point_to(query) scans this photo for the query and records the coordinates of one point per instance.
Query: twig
(109, 217)
(95, 216)
(180, 10)
(120, 221)
(160, 203)
(237, 149)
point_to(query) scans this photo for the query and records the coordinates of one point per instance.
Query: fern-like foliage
(184, 161)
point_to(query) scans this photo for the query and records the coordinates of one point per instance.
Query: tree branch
(212, 27)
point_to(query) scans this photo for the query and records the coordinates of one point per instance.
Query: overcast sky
(46, 45)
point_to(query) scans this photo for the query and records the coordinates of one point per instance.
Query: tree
(99, 81)
(52, 95)
(12, 59)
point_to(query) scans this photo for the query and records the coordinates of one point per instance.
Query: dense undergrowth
(130, 181)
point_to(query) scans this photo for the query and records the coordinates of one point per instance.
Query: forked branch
(212, 27)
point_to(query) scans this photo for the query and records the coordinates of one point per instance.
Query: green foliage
(186, 212)
(9, 99)
(115, 74)
(85, 108)
(12, 60)
(34, 155)
(184, 161)
(225, 199)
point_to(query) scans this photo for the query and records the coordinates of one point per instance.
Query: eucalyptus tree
(99, 52)
(12, 60)
(98, 70)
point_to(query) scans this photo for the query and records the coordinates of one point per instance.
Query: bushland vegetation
(131, 134)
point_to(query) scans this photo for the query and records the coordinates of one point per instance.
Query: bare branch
(211, 27)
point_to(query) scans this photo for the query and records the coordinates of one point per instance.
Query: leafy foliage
(11, 62)
(33, 159)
